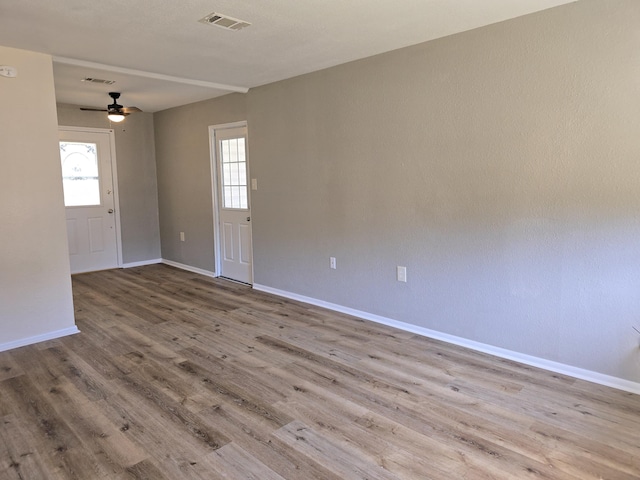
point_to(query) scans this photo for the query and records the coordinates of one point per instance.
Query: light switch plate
(401, 274)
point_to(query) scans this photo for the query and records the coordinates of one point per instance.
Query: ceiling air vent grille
(224, 21)
(98, 80)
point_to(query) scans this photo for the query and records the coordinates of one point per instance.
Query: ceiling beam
(152, 75)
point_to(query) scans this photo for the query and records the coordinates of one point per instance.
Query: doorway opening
(89, 180)
(231, 202)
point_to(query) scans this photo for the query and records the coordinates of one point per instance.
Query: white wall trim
(189, 268)
(213, 165)
(38, 338)
(575, 372)
(142, 263)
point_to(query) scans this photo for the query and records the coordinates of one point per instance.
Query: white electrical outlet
(182, 236)
(254, 184)
(401, 274)
(332, 262)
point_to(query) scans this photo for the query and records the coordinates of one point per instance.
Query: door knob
(110, 210)
(248, 219)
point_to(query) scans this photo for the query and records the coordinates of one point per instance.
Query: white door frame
(114, 176)
(216, 194)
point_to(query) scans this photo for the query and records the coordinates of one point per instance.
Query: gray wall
(500, 166)
(184, 177)
(137, 182)
(35, 283)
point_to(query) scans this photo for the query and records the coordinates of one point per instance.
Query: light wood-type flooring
(180, 376)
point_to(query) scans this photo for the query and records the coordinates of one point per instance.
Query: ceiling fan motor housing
(115, 107)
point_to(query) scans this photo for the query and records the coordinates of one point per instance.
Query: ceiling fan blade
(114, 107)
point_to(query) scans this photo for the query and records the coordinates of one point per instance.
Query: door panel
(228, 242)
(96, 235)
(233, 204)
(86, 160)
(244, 234)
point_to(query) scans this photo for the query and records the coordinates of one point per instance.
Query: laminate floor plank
(237, 374)
(442, 461)
(333, 377)
(241, 397)
(422, 419)
(257, 437)
(160, 438)
(18, 458)
(179, 376)
(168, 381)
(9, 368)
(342, 458)
(73, 368)
(51, 436)
(144, 470)
(149, 397)
(231, 462)
(109, 447)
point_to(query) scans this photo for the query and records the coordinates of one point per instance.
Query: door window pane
(234, 173)
(80, 178)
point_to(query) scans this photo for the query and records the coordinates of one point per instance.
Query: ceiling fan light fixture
(115, 116)
(115, 111)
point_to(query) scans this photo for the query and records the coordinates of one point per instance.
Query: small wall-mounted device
(7, 71)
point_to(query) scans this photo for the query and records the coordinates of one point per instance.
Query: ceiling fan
(115, 111)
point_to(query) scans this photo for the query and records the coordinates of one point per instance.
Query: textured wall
(137, 180)
(184, 177)
(500, 166)
(35, 283)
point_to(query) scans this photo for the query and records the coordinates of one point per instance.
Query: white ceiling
(138, 43)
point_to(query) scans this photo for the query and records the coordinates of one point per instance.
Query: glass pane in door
(234, 174)
(80, 175)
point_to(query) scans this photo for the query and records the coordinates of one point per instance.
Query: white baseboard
(142, 263)
(575, 372)
(189, 268)
(23, 342)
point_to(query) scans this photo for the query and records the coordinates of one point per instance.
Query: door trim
(114, 176)
(216, 194)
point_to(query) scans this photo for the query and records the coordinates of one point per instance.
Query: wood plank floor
(179, 376)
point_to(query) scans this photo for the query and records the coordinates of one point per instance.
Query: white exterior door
(234, 211)
(88, 182)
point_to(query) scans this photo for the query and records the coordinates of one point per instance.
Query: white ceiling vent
(224, 21)
(98, 80)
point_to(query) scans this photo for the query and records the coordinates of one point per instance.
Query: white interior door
(88, 182)
(234, 211)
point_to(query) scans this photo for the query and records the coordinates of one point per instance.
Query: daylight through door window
(234, 173)
(80, 175)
